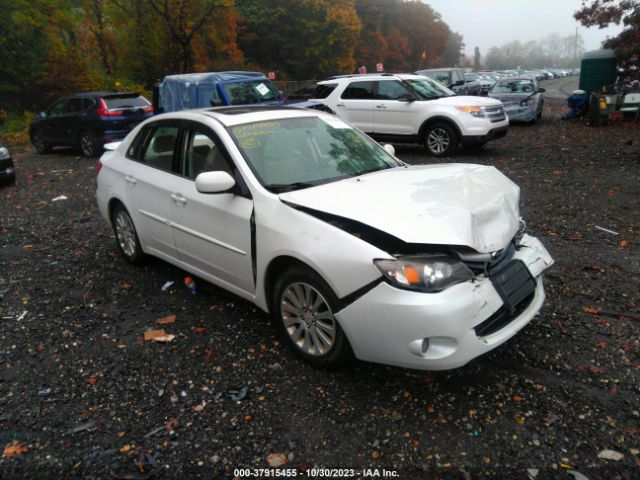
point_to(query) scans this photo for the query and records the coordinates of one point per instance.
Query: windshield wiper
(288, 187)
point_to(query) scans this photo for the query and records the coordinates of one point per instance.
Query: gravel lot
(82, 395)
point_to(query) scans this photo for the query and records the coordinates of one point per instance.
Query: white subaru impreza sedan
(350, 250)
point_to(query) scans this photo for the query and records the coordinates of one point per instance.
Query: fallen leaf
(591, 310)
(623, 243)
(199, 330)
(15, 448)
(158, 336)
(575, 236)
(126, 448)
(517, 398)
(121, 434)
(92, 379)
(166, 320)
(375, 455)
(248, 418)
(276, 460)
(601, 344)
(126, 286)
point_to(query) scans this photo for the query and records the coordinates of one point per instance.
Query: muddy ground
(83, 396)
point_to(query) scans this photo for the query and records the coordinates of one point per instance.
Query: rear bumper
(493, 134)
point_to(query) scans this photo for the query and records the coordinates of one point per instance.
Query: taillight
(98, 166)
(148, 109)
(103, 111)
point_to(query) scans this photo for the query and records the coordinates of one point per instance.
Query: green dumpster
(597, 70)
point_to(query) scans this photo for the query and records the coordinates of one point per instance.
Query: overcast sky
(492, 23)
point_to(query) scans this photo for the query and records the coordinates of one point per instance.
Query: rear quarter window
(323, 91)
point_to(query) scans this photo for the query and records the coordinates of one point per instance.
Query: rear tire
(126, 236)
(38, 142)
(441, 139)
(88, 145)
(303, 308)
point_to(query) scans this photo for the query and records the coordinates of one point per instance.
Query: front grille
(501, 318)
(495, 114)
(516, 286)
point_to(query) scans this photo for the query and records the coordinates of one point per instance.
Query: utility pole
(575, 51)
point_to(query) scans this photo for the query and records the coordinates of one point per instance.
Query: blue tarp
(200, 90)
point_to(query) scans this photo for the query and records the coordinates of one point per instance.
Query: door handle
(179, 199)
(130, 180)
(381, 106)
(339, 104)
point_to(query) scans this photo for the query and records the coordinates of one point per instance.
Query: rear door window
(74, 105)
(159, 148)
(359, 91)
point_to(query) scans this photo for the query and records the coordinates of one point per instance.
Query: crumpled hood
(467, 101)
(511, 98)
(454, 204)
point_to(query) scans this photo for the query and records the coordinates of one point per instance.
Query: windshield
(292, 153)
(250, 91)
(429, 89)
(470, 77)
(513, 86)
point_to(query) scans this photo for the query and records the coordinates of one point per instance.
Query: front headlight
(424, 273)
(477, 112)
(4, 153)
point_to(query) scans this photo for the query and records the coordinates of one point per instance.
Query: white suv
(415, 109)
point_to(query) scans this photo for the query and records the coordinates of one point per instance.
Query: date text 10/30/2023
(241, 473)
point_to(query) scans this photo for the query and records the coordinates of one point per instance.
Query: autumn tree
(302, 39)
(602, 13)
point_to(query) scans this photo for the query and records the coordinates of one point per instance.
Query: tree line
(552, 51)
(53, 47)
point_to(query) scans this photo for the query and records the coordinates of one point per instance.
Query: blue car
(88, 120)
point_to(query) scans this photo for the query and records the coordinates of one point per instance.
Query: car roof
(373, 76)
(445, 69)
(101, 94)
(242, 114)
(208, 78)
(519, 77)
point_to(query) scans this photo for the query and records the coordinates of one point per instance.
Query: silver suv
(415, 109)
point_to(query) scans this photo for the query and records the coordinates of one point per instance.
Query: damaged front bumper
(439, 331)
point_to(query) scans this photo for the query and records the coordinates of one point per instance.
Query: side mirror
(389, 149)
(405, 97)
(458, 83)
(42, 114)
(541, 90)
(214, 182)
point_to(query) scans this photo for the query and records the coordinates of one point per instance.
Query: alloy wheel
(438, 140)
(308, 319)
(125, 233)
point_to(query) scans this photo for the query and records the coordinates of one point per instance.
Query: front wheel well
(275, 269)
(430, 121)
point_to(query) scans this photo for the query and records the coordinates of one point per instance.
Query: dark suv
(89, 120)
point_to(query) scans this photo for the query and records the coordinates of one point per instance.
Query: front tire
(441, 139)
(303, 307)
(38, 142)
(126, 236)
